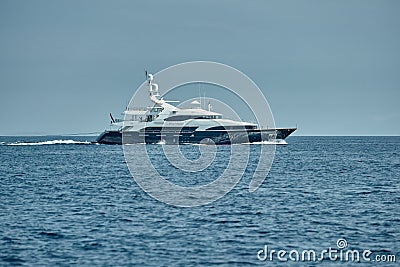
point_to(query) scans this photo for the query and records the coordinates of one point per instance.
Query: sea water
(65, 201)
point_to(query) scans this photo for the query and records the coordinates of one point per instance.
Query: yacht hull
(188, 135)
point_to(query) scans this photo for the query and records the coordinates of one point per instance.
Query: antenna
(204, 100)
(198, 85)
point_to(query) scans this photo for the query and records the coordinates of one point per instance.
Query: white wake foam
(52, 142)
(275, 142)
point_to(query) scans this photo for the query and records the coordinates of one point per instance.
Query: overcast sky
(331, 67)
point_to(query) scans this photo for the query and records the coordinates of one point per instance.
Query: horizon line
(295, 135)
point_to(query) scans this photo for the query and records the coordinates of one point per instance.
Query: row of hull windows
(191, 117)
(239, 127)
(192, 129)
(149, 118)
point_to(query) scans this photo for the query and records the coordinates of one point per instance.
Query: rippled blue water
(76, 204)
